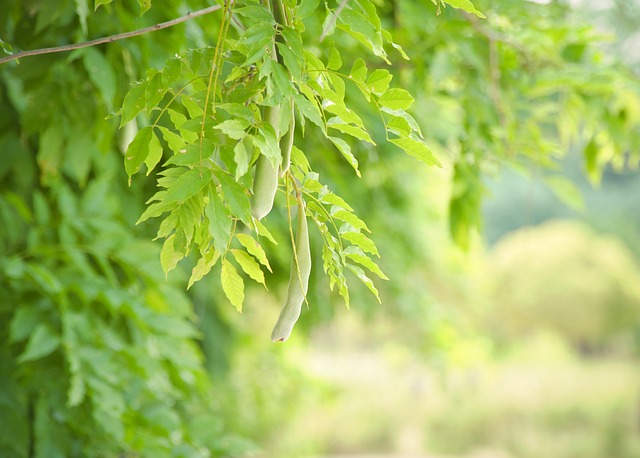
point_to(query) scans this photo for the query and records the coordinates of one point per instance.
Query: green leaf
(169, 256)
(232, 285)
(233, 128)
(399, 126)
(333, 199)
(249, 265)
(465, 5)
(345, 114)
(389, 39)
(203, 266)
(267, 143)
(345, 149)
(44, 278)
(407, 117)
(171, 71)
(358, 71)
(43, 342)
(396, 99)
(416, 149)
(264, 232)
(354, 131)
(335, 61)
(378, 81)
(306, 8)
(24, 321)
(255, 12)
(138, 150)
(309, 110)
(155, 210)
(219, 222)
(291, 61)
(351, 218)
(242, 156)
(361, 28)
(188, 185)
(364, 279)
(154, 92)
(133, 102)
(361, 241)
(144, 6)
(254, 248)
(98, 3)
(282, 81)
(175, 141)
(357, 255)
(236, 197)
(299, 159)
(77, 390)
(155, 153)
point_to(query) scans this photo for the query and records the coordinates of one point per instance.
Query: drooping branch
(112, 38)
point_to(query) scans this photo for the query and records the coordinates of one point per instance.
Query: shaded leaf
(43, 342)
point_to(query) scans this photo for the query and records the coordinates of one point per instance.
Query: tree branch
(112, 38)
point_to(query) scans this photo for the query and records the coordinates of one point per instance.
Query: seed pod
(265, 181)
(265, 185)
(298, 282)
(286, 143)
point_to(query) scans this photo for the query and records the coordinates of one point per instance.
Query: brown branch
(112, 38)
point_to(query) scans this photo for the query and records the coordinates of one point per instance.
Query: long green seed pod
(265, 181)
(265, 185)
(286, 143)
(298, 281)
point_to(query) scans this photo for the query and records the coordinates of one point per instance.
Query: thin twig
(333, 20)
(112, 38)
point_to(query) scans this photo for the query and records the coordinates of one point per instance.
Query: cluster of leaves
(504, 96)
(83, 309)
(100, 355)
(209, 110)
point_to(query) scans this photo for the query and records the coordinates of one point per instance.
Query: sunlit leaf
(249, 265)
(396, 99)
(254, 248)
(232, 285)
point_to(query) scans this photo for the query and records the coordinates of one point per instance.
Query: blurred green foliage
(563, 277)
(103, 356)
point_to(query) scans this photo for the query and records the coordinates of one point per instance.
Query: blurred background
(509, 328)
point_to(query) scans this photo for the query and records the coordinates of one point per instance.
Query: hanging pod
(265, 180)
(298, 281)
(286, 142)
